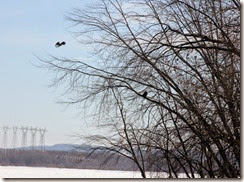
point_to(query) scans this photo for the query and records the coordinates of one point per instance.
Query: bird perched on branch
(58, 44)
(144, 94)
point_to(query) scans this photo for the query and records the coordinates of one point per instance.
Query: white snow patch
(44, 172)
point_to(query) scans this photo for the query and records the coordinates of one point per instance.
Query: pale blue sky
(33, 27)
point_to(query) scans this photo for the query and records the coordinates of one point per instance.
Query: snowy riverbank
(43, 172)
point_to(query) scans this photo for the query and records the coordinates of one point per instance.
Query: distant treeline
(62, 159)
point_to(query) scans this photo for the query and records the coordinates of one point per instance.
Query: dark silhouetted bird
(62, 43)
(58, 44)
(144, 94)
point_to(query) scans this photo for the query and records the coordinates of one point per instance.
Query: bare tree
(168, 72)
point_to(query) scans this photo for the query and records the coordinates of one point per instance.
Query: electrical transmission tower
(33, 137)
(15, 128)
(42, 138)
(24, 131)
(24, 136)
(5, 135)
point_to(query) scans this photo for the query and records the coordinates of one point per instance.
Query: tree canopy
(166, 81)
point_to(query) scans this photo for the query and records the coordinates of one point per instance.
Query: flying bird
(58, 44)
(62, 43)
(144, 94)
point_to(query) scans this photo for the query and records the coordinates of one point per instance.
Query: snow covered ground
(43, 172)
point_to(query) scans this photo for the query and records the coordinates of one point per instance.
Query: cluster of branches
(167, 82)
